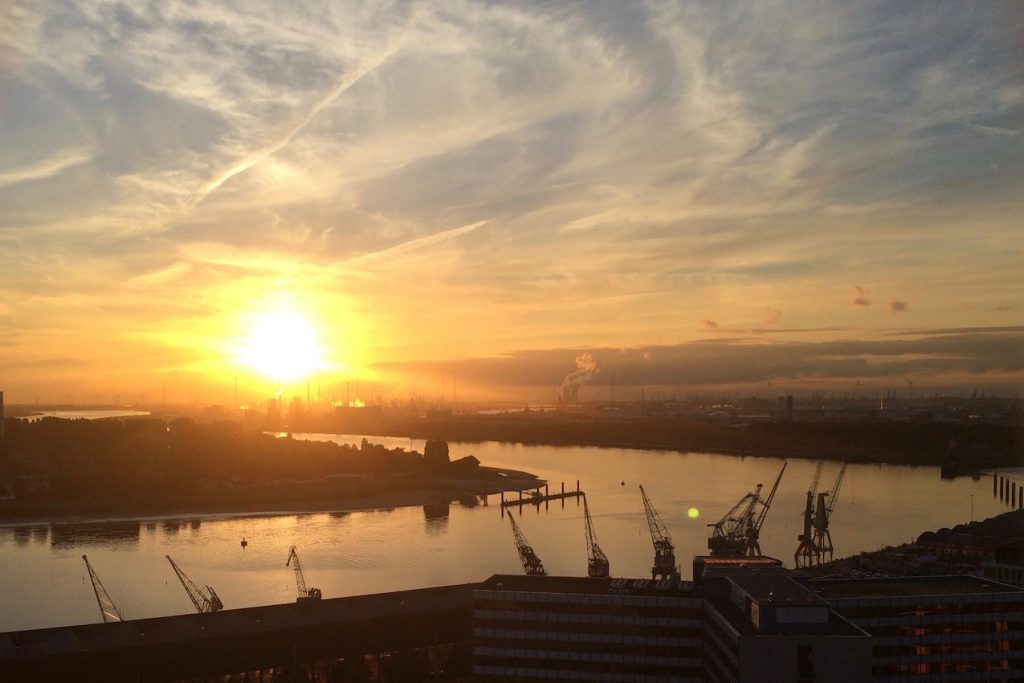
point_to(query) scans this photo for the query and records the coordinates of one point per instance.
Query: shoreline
(445, 490)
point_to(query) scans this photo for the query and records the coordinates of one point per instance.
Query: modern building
(762, 625)
(747, 620)
(935, 629)
(537, 628)
(1008, 564)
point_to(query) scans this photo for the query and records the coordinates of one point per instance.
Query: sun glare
(282, 346)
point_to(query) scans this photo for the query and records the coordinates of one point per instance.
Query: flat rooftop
(585, 586)
(836, 589)
(838, 626)
(335, 613)
(774, 589)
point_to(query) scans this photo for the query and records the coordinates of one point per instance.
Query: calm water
(85, 414)
(45, 582)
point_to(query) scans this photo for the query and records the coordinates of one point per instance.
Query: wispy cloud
(45, 168)
(609, 168)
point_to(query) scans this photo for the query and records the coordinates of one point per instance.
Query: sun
(281, 345)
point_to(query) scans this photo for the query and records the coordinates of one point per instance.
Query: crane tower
(738, 533)
(664, 552)
(597, 561)
(807, 553)
(108, 610)
(816, 540)
(531, 563)
(822, 515)
(305, 594)
(205, 599)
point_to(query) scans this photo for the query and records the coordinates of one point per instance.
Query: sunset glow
(816, 196)
(282, 346)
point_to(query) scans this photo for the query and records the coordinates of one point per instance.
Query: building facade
(935, 629)
(742, 623)
(536, 628)
(1007, 566)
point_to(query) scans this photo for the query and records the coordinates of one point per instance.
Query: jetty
(541, 495)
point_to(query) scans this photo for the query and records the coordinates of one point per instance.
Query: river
(45, 582)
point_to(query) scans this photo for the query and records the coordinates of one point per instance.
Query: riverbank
(961, 448)
(465, 490)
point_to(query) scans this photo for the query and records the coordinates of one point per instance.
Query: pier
(535, 497)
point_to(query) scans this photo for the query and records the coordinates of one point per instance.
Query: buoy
(244, 542)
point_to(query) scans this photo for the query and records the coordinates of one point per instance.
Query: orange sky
(815, 196)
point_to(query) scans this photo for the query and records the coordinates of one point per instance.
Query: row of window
(539, 664)
(949, 648)
(646, 632)
(989, 627)
(647, 602)
(1013, 668)
(690, 648)
(639, 611)
(581, 618)
(975, 623)
(675, 660)
(944, 636)
(508, 674)
(1014, 604)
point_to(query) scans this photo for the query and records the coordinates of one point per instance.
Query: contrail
(419, 242)
(45, 168)
(988, 129)
(262, 153)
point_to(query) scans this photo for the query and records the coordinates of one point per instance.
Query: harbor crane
(597, 561)
(205, 599)
(305, 594)
(807, 553)
(531, 563)
(664, 552)
(816, 540)
(822, 513)
(108, 610)
(737, 534)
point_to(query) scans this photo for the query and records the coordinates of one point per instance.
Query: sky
(494, 195)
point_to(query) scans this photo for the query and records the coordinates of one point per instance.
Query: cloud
(601, 163)
(46, 168)
(945, 358)
(860, 297)
(773, 315)
(896, 306)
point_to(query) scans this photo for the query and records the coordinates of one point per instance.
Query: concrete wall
(775, 659)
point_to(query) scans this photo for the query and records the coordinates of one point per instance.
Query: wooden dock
(541, 495)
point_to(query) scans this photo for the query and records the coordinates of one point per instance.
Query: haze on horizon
(699, 195)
